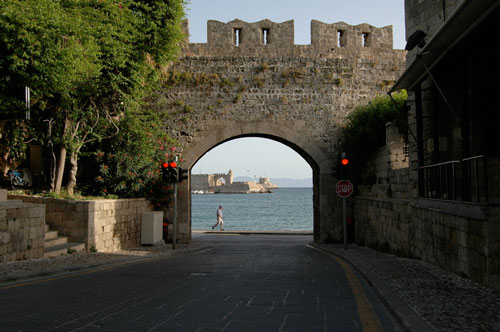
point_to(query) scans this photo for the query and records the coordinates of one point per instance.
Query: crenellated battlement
(339, 35)
(267, 37)
(241, 34)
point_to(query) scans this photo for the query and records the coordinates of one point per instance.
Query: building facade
(451, 217)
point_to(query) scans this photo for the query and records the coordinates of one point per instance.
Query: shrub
(364, 130)
(129, 164)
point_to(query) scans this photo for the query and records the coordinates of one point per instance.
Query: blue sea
(283, 209)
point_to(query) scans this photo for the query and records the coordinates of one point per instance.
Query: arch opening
(316, 154)
(275, 180)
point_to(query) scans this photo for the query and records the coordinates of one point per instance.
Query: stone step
(62, 249)
(3, 195)
(49, 235)
(55, 241)
(47, 228)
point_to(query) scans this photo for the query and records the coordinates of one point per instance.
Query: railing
(458, 180)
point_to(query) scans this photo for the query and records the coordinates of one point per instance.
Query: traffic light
(182, 174)
(169, 171)
(344, 166)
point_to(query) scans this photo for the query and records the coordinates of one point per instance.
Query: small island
(223, 184)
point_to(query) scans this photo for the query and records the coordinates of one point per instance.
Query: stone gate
(251, 80)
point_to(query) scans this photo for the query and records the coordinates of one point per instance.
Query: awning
(458, 26)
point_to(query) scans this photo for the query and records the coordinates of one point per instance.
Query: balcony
(475, 180)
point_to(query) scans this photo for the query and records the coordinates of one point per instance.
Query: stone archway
(299, 95)
(324, 202)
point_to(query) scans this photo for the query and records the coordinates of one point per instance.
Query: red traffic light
(344, 161)
(167, 164)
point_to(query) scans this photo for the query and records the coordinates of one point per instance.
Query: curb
(405, 314)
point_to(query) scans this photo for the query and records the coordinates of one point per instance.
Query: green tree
(129, 164)
(43, 48)
(88, 63)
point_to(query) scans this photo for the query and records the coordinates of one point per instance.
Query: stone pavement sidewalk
(414, 291)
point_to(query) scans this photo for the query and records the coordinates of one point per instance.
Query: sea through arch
(263, 194)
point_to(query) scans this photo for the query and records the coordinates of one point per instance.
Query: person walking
(220, 221)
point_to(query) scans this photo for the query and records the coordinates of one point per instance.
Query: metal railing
(458, 180)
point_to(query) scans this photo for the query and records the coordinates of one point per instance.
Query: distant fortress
(223, 184)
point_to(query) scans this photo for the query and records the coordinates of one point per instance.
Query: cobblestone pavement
(446, 301)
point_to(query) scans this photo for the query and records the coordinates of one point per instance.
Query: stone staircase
(56, 245)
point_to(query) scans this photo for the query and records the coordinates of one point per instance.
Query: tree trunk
(61, 163)
(73, 161)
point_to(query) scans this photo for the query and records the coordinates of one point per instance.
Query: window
(340, 38)
(365, 39)
(237, 37)
(265, 36)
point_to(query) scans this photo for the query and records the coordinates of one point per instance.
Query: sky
(263, 157)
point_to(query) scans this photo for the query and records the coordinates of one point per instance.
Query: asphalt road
(244, 283)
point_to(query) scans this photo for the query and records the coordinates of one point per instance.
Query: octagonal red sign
(344, 188)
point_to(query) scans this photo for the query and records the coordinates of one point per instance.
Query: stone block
(107, 229)
(32, 233)
(3, 195)
(38, 242)
(92, 216)
(3, 225)
(5, 237)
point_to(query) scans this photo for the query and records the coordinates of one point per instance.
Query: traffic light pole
(344, 206)
(344, 189)
(174, 235)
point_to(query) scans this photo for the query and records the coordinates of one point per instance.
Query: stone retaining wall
(386, 175)
(22, 231)
(459, 237)
(106, 225)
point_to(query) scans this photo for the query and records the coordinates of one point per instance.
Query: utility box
(152, 227)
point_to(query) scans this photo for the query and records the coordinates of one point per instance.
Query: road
(244, 283)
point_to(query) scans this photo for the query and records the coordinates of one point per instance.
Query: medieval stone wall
(299, 95)
(209, 181)
(315, 86)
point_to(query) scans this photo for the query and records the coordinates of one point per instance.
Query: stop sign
(344, 188)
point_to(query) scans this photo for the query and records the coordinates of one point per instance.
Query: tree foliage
(88, 63)
(364, 131)
(129, 164)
